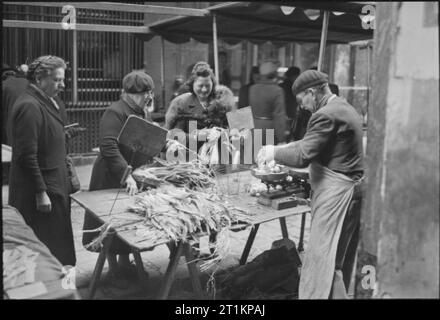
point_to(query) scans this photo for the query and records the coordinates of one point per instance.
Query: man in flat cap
(266, 99)
(332, 146)
(136, 99)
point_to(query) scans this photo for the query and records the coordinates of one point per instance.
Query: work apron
(332, 193)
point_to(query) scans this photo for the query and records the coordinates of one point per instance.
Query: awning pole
(368, 81)
(323, 39)
(255, 55)
(214, 34)
(162, 70)
(75, 67)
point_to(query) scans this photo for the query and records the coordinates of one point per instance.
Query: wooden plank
(170, 273)
(78, 26)
(124, 7)
(194, 271)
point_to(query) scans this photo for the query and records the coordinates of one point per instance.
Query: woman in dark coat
(38, 186)
(113, 159)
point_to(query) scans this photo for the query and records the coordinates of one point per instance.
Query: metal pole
(323, 39)
(214, 34)
(75, 67)
(255, 55)
(368, 81)
(162, 70)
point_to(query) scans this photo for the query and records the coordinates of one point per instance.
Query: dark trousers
(347, 246)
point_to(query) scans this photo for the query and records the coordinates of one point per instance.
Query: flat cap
(308, 79)
(137, 82)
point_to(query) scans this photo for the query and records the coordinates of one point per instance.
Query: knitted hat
(308, 79)
(137, 82)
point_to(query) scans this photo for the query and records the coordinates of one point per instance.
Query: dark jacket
(333, 138)
(113, 158)
(243, 96)
(268, 107)
(39, 164)
(299, 126)
(110, 165)
(291, 104)
(12, 88)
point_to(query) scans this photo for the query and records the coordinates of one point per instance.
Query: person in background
(223, 69)
(243, 95)
(185, 85)
(177, 85)
(39, 186)
(13, 85)
(291, 104)
(332, 148)
(267, 101)
(112, 161)
(8, 71)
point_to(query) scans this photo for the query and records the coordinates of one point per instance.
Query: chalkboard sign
(142, 136)
(241, 119)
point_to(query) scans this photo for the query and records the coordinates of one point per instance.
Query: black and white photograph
(220, 155)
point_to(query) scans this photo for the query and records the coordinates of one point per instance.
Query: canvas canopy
(260, 22)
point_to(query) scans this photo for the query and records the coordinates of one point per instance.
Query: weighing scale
(294, 188)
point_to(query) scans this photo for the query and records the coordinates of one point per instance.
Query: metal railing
(102, 59)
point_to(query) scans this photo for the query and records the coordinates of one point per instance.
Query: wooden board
(241, 119)
(143, 136)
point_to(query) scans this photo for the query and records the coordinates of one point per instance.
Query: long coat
(110, 165)
(39, 164)
(268, 107)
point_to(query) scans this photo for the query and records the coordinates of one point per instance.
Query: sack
(75, 185)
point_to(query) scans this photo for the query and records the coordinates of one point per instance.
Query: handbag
(75, 185)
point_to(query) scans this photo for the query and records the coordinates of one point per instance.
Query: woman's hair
(201, 69)
(43, 67)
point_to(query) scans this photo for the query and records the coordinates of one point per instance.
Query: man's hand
(43, 202)
(132, 188)
(266, 154)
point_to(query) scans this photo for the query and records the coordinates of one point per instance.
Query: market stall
(115, 210)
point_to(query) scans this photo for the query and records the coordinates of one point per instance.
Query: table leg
(142, 275)
(193, 270)
(171, 270)
(99, 265)
(249, 243)
(301, 235)
(284, 228)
